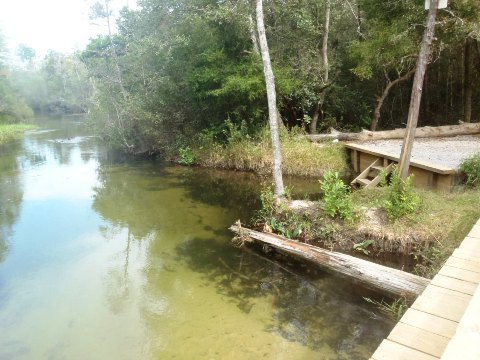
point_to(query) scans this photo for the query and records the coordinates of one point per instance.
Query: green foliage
(186, 156)
(25, 53)
(395, 309)
(60, 86)
(402, 199)
(9, 132)
(280, 219)
(241, 148)
(471, 168)
(180, 68)
(362, 246)
(336, 196)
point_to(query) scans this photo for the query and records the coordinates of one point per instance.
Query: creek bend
(103, 258)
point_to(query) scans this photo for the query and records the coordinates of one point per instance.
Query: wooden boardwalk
(444, 321)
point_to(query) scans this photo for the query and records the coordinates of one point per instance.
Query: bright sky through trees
(61, 25)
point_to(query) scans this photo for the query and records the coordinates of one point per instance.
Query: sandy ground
(447, 152)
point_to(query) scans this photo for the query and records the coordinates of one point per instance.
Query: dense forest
(178, 68)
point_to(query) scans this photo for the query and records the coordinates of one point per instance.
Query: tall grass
(9, 132)
(253, 153)
(438, 227)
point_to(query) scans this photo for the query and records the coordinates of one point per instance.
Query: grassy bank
(9, 132)
(242, 152)
(430, 233)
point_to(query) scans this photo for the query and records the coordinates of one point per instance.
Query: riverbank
(422, 240)
(419, 242)
(9, 132)
(242, 152)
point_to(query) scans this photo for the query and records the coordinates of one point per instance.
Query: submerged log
(390, 281)
(421, 132)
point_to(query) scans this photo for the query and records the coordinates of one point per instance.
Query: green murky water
(107, 259)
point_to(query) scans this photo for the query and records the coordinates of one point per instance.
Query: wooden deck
(444, 322)
(426, 175)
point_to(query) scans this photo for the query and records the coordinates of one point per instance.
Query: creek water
(104, 258)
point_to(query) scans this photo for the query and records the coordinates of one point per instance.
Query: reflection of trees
(11, 194)
(238, 190)
(311, 307)
(148, 193)
(179, 217)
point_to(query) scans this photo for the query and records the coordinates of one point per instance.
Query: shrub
(336, 198)
(402, 200)
(186, 155)
(471, 168)
(280, 218)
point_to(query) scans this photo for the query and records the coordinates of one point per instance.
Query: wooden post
(417, 90)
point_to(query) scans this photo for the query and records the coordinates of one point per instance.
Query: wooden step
(364, 182)
(372, 175)
(364, 174)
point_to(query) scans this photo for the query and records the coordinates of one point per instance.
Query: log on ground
(421, 132)
(393, 282)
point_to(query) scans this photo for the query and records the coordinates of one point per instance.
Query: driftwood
(421, 132)
(390, 281)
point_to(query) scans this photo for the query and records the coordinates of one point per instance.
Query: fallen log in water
(421, 132)
(393, 282)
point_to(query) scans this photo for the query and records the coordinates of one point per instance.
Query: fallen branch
(393, 282)
(421, 132)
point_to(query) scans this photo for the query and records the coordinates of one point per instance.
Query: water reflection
(117, 259)
(180, 216)
(11, 193)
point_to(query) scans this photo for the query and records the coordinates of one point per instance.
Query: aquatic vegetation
(9, 132)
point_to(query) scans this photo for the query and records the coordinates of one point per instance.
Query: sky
(61, 25)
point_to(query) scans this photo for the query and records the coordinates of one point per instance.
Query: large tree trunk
(390, 281)
(422, 132)
(272, 103)
(381, 99)
(319, 107)
(468, 91)
(416, 97)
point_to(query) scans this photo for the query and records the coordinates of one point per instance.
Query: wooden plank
(419, 339)
(355, 161)
(462, 286)
(435, 291)
(475, 232)
(471, 244)
(416, 163)
(389, 350)
(463, 264)
(465, 343)
(444, 319)
(425, 321)
(364, 182)
(460, 274)
(446, 306)
(378, 178)
(364, 174)
(467, 255)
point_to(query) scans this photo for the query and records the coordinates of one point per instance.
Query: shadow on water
(175, 204)
(310, 307)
